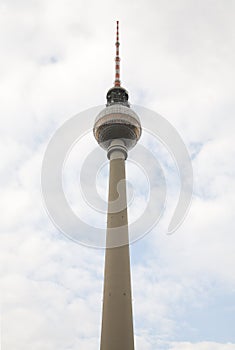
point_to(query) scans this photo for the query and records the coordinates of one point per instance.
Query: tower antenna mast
(117, 60)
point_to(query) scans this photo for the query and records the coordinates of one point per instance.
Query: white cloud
(201, 346)
(57, 60)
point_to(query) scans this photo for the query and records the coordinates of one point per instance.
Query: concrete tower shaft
(117, 321)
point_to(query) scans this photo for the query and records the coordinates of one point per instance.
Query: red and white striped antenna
(117, 60)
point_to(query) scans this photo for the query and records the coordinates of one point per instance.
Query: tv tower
(117, 129)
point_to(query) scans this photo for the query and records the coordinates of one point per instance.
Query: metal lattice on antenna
(117, 60)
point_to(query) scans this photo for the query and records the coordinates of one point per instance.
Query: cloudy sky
(57, 59)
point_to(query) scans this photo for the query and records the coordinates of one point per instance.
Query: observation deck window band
(118, 118)
(117, 109)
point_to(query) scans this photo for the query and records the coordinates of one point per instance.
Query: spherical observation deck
(117, 122)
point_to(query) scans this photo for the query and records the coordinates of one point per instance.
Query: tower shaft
(117, 320)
